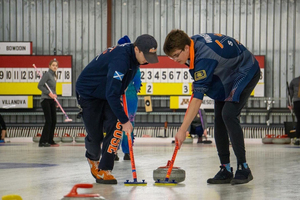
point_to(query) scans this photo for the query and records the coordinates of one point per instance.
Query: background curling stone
(67, 138)
(73, 195)
(188, 140)
(80, 138)
(282, 139)
(268, 139)
(56, 138)
(37, 137)
(177, 174)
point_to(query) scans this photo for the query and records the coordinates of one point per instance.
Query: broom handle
(172, 163)
(130, 143)
(176, 150)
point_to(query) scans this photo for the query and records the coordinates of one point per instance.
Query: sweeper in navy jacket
(99, 88)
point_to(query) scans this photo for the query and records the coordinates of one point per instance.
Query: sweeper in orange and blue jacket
(224, 70)
(99, 88)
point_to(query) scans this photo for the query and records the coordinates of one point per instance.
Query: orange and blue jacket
(220, 66)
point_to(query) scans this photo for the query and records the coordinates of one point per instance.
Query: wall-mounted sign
(15, 48)
(10, 102)
(182, 102)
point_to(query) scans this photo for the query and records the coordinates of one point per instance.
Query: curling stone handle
(73, 192)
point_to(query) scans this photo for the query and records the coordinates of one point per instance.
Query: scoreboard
(165, 78)
(170, 78)
(18, 77)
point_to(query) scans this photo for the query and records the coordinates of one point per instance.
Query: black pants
(227, 122)
(98, 116)
(297, 113)
(49, 108)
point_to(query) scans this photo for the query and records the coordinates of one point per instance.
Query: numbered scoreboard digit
(156, 75)
(171, 75)
(8, 74)
(178, 75)
(2, 75)
(23, 75)
(31, 75)
(185, 76)
(185, 88)
(149, 88)
(149, 75)
(16, 75)
(143, 72)
(164, 75)
(59, 74)
(67, 76)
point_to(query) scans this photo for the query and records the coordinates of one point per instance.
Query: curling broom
(134, 182)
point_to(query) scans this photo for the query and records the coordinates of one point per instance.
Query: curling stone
(74, 195)
(188, 140)
(177, 174)
(56, 138)
(268, 139)
(11, 197)
(37, 137)
(282, 139)
(80, 138)
(67, 138)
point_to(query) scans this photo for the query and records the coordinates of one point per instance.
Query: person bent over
(99, 88)
(224, 70)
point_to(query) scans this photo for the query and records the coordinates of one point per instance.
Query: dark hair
(52, 61)
(176, 39)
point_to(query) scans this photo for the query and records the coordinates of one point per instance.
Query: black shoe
(200, 140)
(44, 145)
(222, 177)
(242, 175)
(117, 157)
(126, 156)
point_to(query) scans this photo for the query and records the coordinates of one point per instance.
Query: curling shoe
(222, 177)
(94, 167)
(126, 156)
(105, 177)
(242, 175)
(117, 157)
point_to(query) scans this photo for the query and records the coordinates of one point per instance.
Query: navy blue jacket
(220, 66)
(108, 75)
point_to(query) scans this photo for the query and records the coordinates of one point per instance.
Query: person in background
(48, 104)
(2, 129)
(295, 97)
(99, 88)
(132, 103)
(199, 126)
(224, 70)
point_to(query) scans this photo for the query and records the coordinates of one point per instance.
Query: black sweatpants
(297, 113)
(227, 122)
(98, 116)
(49, 108)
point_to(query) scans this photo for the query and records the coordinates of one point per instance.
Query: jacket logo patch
(118, 75)
(200, 75)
